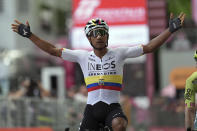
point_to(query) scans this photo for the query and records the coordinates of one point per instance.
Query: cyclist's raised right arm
(24, 30)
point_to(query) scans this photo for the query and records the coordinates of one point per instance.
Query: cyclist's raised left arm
(174, 25)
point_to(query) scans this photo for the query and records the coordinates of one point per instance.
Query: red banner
(127, 20)
(166, 129)
(115, 12)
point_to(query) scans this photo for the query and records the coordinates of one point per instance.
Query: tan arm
(45, 46)
(156, 42)
(189, 117)
(18, 94)
(43, 91)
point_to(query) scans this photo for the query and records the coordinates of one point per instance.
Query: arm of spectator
(18, 94)
(21, 91)
(43, 91)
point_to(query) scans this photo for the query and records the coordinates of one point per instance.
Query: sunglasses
(97, 32)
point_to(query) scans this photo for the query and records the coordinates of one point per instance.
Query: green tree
(177, 6)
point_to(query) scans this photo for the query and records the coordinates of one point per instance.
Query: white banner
(118, 36)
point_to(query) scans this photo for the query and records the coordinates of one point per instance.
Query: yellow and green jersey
(190, 90)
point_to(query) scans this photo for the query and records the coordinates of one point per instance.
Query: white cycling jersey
(103, 77)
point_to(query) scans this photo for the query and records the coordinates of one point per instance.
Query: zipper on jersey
(100, 90)
(100, 93)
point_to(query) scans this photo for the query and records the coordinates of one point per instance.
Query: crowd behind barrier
(67, 113)
(34, 112)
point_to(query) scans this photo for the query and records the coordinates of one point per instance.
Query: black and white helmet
(95, 23)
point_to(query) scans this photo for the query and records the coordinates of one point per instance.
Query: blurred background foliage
(177, 6)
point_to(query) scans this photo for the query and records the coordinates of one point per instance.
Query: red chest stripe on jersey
(104, 87)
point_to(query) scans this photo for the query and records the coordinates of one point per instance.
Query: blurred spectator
(180, 106)
(76, 100)
(142, 115)
(35, 89)
(35, 111)
(169, 91)
(82, 94)
(71, 92)
(29, 88)
(181, 42)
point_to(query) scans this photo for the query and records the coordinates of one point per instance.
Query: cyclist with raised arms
(102, 69)
(190, 91)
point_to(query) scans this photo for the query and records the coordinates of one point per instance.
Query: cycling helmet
(95, 23)
(195, 55)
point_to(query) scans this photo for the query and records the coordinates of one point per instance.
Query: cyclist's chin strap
(107, 40)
